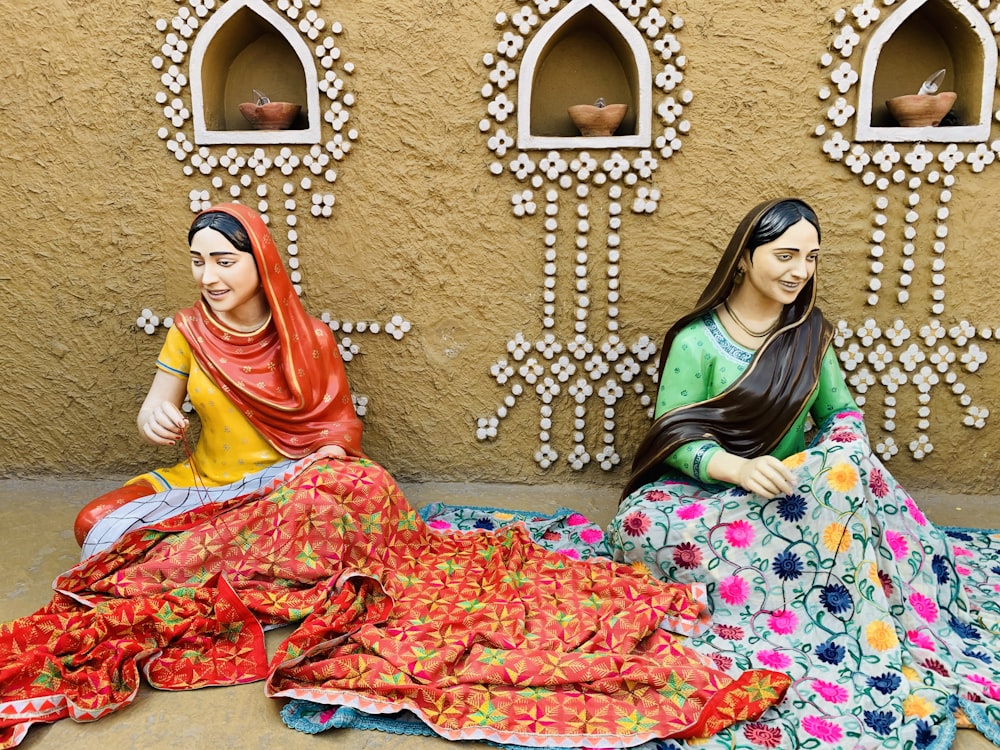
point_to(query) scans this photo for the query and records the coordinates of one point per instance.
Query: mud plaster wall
(94, 210)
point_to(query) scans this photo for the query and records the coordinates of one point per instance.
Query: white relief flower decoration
(669, 109)
(842, 333)
(981, 157)
(545, 455)
(879, 357)
(652, 23)
(553, 165)
(510, 45)
(503, 74)
(518, 347)
(931, 332)
(868, 332)
(500, 107)
(608, 458)
(962, 332)
(580, 390)
(666, 46)
(627, 369)
(486, 429)
(616, 166)
(976, 416)
(668, 78)
(942, 358)
(844, 76)
(921, 447)
(835, 146)
(548, 389)
(501, 371)
(583, 166)
(840, 112)
(580, 346)
(546, 6)
(632, 8)
(858, 159)
(531, 370)
(925, 379)
(852, 356)
(897, 333)
(950, 157)
(523, 203)
(887, 157)
(911, 357)
(500, 142)
(866, 13)
(522, 166)
(919, 157)
(646, 200)
(892, 379)
(596, 366)
(610, 392)
(846, 40)
(644, 164)
(973, 357)
(548, 346)
(613, 348)
(563, 368)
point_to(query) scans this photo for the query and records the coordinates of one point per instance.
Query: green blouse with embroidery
(704, 361)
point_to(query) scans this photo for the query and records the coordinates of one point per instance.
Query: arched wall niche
(587, 50)
(919, 38)
(246, 46)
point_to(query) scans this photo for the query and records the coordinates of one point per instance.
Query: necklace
(743, 326)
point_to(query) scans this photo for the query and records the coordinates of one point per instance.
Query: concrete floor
(36, 544)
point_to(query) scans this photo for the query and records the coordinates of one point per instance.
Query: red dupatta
(287, 378)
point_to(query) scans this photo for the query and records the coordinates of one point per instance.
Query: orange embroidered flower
(795, 460)
(881, 636)
(835, 538)
(842, 477)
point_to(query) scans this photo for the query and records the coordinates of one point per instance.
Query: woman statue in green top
(817, 563)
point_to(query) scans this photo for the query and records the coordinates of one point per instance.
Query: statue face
(780, 268)
(228, 280)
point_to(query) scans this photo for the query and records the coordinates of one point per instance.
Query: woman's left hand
(336, 450)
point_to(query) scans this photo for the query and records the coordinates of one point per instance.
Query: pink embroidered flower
(636, 523)
(773, 659)
(918, 515)
(439, 525)
(591, 536)
(878, 484)
(760, 734)
(729, 632)
(993, 692)
(897, 543)
(980, 680)
(920, 639)
(577, 519)
(960, 551)
(740, 534)
(657, 496)
(687, 555)
(690, 512)
(830, 691)
(843, 435)
(722, 662)
(733, 590)
(925, 607)
(962, 570)
(783, 622)
(822, 729)
(571, 553)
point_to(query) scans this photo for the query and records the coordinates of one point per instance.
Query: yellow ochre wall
(94, 210)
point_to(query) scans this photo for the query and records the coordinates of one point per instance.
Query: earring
(738, 276)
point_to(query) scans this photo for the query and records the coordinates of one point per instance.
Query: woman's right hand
(765, 475)
(163, 424)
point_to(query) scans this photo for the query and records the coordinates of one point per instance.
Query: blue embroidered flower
(924, 736)
(485, 523)
(964, 629)
(995, 569)
(961, 535)
(836, 598)
(787, 566)
(981, 655)
(738, 492)
(830, 652)
(880, 721)
(792, 507)
(940, 567)
(885, 683)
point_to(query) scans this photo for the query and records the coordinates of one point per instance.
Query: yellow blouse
(229, 446)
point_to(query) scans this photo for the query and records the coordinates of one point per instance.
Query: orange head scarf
(288, 378)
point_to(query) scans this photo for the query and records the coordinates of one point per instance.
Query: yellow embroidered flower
(910, 674)
(502, 516)
(836, 539)
(842, 477)
(881, 635)
(914, 705)
(795, 460)
(640, 567)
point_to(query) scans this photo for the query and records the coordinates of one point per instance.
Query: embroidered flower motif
(836, 598)
(920, 639)
(880, 722)
(760, 734)
(897, 543)
(836, 538)
(915, 705)
(830, 652)
(787, 566)
(887, 586)
(687, 555)
(740, 534)
(792, 508)
(877, 484)
(842, 477)
(795, 460)
(734, 590)
(636, 523)
(881, 636)
(690, 512)
(885, 683)
(773, 659)
(783, 622)
(822, 729)
(728, 632)
(722, 662)
(918, 516)
(829, 691)
(591, 536)
(925, 608)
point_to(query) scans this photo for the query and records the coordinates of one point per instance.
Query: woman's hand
(160, 419)
(765, 475)
(336, 450)
(163, 424)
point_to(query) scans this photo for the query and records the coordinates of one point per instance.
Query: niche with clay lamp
(920, 38)
(244, 51)
(588, 56)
